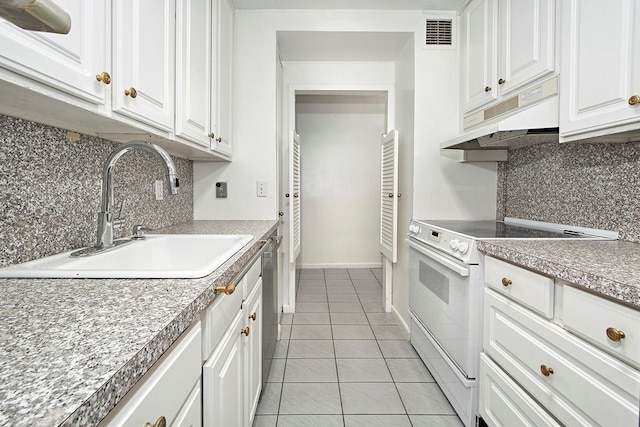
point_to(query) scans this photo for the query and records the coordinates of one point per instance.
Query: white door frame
(289, 279)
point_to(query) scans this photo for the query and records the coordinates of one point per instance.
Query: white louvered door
(389, 195)
(294, 200)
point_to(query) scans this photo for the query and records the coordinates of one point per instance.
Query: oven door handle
(441, 259)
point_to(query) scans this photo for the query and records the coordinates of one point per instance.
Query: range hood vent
(532, 119)
(36, 15)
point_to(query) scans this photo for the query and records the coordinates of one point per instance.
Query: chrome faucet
(107, 215)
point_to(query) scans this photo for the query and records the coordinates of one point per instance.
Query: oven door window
(441, 299)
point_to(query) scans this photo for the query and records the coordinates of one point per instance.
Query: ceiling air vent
(439, 32)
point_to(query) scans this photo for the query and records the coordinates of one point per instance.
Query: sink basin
(157, 256)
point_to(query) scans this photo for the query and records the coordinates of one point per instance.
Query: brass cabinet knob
(487, 88)
(501, 81)
(296, 195)
(245, 331)
(280, 213)
(506, 282)
(634, 100)
(132, 92)
(219, 139)
(103, 77)
(228, 289)
(286, 195)
(253, 316)
(390, 195)
(546, 370)
(211, 135)
(160, 422)
(615, 335)
(399, 194)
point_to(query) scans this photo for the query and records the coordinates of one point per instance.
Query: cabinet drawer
(594, 318)
(528, 288)
(585, 387)
(217, 317)
(504, 403)
(165, 388)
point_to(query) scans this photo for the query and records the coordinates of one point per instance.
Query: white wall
(405, 101)
(340, 174)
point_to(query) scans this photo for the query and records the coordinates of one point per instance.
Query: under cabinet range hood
(527, 118)
(36, 15)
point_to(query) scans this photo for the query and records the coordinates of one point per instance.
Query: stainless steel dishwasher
(269, 303)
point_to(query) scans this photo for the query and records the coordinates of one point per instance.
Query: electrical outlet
(262, 189)
(159, 190)
(221, 190)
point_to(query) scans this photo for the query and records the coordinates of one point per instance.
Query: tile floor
(342, 361)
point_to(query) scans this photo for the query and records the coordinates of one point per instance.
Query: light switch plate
(262, 189)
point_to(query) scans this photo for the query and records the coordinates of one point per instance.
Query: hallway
(342, 361)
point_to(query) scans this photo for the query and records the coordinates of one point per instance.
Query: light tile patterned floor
(342, 361)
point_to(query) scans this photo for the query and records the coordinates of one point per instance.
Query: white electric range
(445, 295)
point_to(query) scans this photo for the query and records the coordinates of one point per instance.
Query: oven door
(445, 295)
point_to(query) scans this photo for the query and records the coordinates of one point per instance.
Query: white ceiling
(350, 4)
(340, 46)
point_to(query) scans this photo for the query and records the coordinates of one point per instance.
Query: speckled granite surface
(587, 185)
(70, 349)
(609, 268)
(50, 190)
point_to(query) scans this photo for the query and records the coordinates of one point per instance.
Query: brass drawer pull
(132, 92)
(245, 331)
(228, 289)
(615, 335)
(506, 282)
(546, 370)
(160, 422)
(103, 77)
(634, 100)
(253, 316)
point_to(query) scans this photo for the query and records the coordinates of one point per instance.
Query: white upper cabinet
(507, 44)
(479, 53)
(527, 42)
(144, 61)
(600, 68)
(222, 142)
(194, 58)
(68, 62)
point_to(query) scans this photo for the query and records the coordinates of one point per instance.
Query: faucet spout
(106, 215)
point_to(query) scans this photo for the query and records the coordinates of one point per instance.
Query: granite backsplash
(50, 190)
(592, 185)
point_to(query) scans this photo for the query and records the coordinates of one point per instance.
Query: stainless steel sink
(157, 256)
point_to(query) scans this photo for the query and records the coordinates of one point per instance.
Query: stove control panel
(459, 246)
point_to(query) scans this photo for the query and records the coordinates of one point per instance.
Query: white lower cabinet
(534, 372)
(232, 371)
(170, 389)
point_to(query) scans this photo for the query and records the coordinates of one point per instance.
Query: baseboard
(400, 321)
(355, 265)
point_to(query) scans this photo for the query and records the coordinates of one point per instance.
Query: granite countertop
(608, 268)
(70, 349)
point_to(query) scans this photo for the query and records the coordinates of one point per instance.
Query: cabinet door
(253, 316)
(600, 66)
(527, 42)
(193, 70)
(479, 55)
(224, 66)
(223, 375)
(69, 62)
(144, 65)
